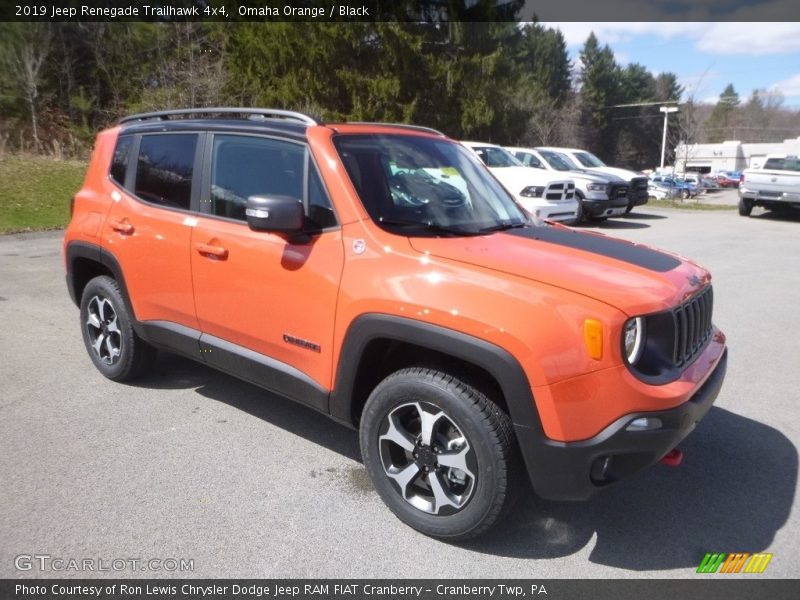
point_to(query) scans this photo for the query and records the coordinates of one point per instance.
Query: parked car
(710, 184)
(637, 182)
(600, 196)
(774, 186)
(693, 178)
(661, 191)
(539, 192)
(330, 263)
(682, 189)
(728, 179)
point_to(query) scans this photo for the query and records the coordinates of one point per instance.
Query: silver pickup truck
(774, 186)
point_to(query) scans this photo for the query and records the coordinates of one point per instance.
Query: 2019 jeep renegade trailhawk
(380, 274)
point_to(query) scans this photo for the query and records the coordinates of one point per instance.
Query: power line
(643, 104)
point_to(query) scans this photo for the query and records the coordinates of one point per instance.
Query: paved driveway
(192, 464)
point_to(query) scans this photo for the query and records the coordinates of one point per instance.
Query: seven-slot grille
(692, 326)
(618, 191)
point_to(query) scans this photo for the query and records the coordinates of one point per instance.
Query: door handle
(122, 226)
(216, 251)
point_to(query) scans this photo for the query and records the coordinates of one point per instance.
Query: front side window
(244, 166)
(560, 162)
(119, 162)
(496, 157)
(164, 169)
(420, 186)
(529, 160)
(589, 160)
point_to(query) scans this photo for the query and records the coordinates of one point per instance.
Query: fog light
(600, 467)
(644, 424)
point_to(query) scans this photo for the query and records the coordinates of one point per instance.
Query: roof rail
(403, 125)
(265, 113)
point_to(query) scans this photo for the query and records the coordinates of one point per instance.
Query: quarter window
(320, 210)
(164, 169)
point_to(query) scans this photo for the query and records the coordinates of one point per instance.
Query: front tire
(441, 455)
(107, 327)
(745, 207)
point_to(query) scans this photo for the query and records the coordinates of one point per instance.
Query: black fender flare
(498, 362)
(95, 253)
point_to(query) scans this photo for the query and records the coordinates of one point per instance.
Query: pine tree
(718, 126)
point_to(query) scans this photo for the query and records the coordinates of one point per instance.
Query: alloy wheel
(428, 458)
(105, 336)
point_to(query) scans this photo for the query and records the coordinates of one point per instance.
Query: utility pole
(666, 110)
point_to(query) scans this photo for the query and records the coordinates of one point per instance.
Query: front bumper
(638, 197)
(562, 470)
(559, 212)
(605, 208)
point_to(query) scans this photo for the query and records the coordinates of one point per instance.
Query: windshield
(589, 160)
(422, 186)
(560, 162)
(497, 157)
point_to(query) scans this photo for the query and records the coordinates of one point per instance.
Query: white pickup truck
(775, 185)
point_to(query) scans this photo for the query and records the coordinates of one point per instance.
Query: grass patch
(36, 191)
(688, 205)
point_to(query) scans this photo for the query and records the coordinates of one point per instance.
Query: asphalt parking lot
(192, 464)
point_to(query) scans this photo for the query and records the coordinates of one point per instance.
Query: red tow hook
(673, 458)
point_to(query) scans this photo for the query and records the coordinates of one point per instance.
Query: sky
(706, 57)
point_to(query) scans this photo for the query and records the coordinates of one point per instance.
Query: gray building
(729, 155)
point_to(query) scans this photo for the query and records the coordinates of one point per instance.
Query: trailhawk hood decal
(633, 278)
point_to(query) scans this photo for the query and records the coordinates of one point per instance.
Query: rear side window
(119, 162)
(164, 169)
(790, 163)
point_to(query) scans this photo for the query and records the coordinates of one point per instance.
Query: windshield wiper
(501, 227)
(427, 226)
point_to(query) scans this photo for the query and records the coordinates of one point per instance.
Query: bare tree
(24, 55)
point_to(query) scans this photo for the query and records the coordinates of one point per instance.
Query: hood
(515, 179)
(589, 177)
(622, 173)
(635, 279)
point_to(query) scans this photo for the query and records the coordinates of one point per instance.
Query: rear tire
(745, 207)
(107, 327)
(418, 426)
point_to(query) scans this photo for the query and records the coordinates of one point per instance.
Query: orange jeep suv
(381, 275)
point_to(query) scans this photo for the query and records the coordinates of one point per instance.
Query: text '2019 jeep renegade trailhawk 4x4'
(380, 274)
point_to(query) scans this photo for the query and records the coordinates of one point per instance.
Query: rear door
(266, 304)
(148, 228)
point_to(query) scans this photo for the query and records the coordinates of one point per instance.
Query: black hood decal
(599, 244)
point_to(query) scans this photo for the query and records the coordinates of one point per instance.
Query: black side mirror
(277, 214)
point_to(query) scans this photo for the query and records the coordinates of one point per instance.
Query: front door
(265, 304)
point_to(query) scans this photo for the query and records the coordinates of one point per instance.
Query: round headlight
(633, 339)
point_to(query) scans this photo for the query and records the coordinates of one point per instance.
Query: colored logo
(738, 562)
